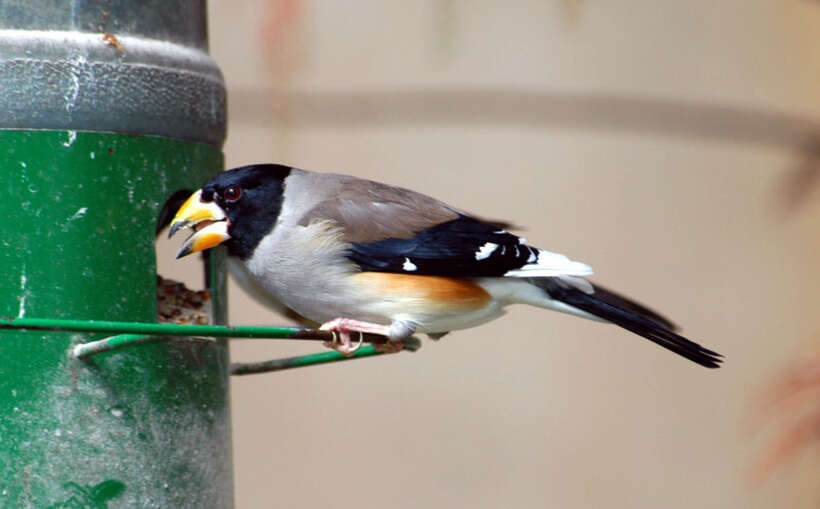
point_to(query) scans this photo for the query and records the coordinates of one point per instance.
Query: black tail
(631, 316)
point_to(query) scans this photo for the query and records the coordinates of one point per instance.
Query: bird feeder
(110, 114)
(107, 109)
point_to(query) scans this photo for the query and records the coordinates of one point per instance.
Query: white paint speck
(116, 412)
(58, 432)
(80, 213)
(408, 265)
(92, 155)
(23, 164)
(14, 393)
(23, 280)
(72, 137)
(485, 251)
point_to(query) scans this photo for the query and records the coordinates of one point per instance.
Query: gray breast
(306, 268)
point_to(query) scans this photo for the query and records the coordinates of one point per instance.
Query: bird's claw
(341, 342)
(344, 326)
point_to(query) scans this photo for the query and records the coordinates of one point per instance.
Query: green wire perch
(132, 333)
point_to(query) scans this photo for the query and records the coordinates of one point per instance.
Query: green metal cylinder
(96, 132)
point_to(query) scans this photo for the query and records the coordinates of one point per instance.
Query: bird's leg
(398, 331)
(344, 326)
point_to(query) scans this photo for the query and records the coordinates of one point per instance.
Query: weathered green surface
(146, 426)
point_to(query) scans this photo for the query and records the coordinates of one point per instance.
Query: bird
(359, 256)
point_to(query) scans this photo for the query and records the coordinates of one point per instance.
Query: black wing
(462, 247)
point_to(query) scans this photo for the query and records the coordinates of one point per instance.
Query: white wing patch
(408, 265)
(486, 250)
(550, 264)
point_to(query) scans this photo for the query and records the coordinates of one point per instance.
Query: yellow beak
(208, 221)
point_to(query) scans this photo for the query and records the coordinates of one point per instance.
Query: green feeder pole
(106, 109)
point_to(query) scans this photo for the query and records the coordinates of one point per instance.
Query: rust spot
(111, 151)
(112, 41)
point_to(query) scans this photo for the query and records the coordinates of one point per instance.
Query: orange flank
(447, 291)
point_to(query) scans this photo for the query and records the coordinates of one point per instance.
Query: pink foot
(344, 326)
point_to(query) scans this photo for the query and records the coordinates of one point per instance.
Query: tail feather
(626, 304)
(631, 316)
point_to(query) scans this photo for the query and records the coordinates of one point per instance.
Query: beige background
(651, 140)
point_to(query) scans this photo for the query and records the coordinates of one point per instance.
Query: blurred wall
(650, 140)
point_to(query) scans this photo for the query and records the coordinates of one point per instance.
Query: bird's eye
(232, 194)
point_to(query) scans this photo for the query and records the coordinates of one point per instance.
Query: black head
(251, 197)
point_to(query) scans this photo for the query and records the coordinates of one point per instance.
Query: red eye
(232, 194)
